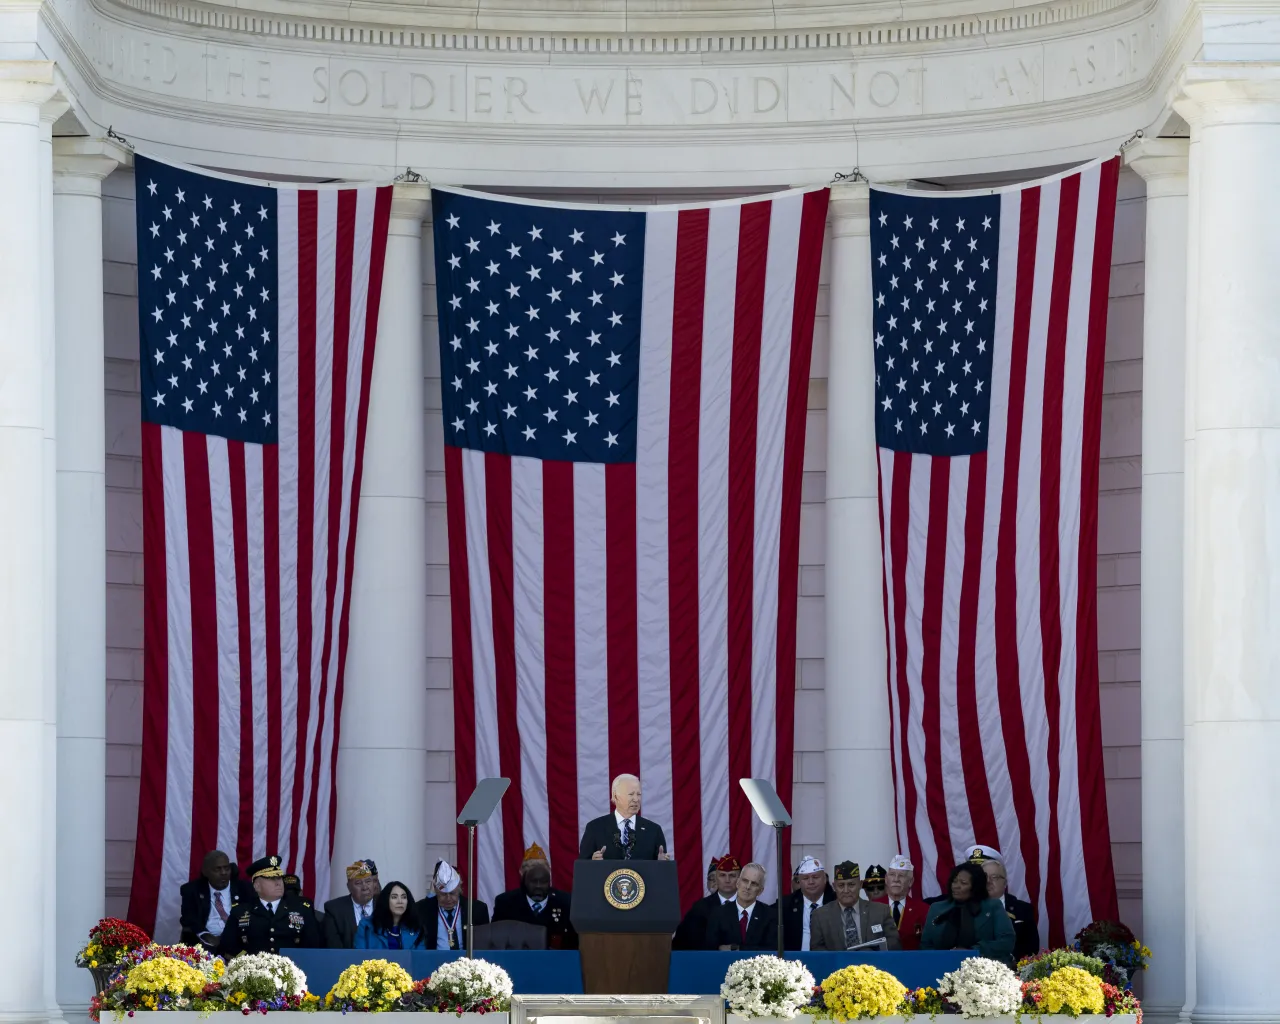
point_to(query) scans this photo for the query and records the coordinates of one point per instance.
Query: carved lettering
(320, 76)
(483, 92)
(710, 94)
(593, 97)
(837, 86)
(389, 102)
(732, 99)
(353, 87)
(453, 94)
(515, 89)
(232, 73)
(768, 83)
(635, 107)
(263, 91)
(884, 88)
(422, 92)
(170, 66)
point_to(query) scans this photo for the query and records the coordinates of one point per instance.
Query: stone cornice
(870, 26)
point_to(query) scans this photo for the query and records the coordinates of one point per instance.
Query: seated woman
(968, 919)
(393, 923)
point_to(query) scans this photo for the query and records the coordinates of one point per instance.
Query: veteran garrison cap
(875, 874)
(847, 871)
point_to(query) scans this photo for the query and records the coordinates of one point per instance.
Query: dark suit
(197, 903)
(874, 922)
(692, 933)
(340, 923)
(429, 918)
(513, 905)
(646, 839)
(762, 929)
(1026, 936)
(252, 928)
(793, 916)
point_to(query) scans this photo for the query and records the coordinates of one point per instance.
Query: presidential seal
(624, 889)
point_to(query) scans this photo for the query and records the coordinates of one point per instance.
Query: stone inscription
(640, 95)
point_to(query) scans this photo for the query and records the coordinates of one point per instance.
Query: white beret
(808, 866)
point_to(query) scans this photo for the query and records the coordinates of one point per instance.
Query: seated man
(207, 900)
(1026, 935)
(907, 912)
(535, 902)
(271, 920)
(342, 916)
(746, 923)
(692, 933)
(873, 883)
(798, 907)
(442, 916)
(850, 921)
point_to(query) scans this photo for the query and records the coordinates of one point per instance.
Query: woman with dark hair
(393, 923)
(968, 919)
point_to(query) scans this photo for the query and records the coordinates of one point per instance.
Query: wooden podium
(625, 912)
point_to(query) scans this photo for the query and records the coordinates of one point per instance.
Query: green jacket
(992, 929)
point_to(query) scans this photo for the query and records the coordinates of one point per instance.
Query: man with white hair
(798, 907)
(908, 913)
(745, 923)
(623, 835)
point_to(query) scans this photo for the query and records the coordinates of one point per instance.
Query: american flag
(258, 308)
(624, 412)
(990, 314)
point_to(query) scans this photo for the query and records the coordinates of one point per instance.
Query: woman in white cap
(443, 916)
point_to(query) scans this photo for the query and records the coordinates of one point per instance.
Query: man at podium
(623, 835)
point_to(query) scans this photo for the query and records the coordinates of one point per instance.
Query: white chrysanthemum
(467, 983)
(264, 974)
(765, 986)
(982, 988)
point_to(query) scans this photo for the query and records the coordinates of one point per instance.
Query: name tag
(877, 928)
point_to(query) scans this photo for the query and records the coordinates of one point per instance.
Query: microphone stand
(471, 888)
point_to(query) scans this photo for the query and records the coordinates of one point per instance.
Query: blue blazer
(367, 938)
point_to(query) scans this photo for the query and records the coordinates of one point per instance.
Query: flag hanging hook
(1139, 134)
(115, 136)
(409, 177)
(854, 175)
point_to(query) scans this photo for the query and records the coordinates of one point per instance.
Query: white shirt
(726, 899)
(216, 924)
(620, 819)
(535, 904)
(271, 905)
(808, 907)
(357, 907)
(442, 930)
(739, 908)
(900, 904)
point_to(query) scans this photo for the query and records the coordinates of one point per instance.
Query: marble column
(1234, 671)
(24, 87)
(79, 166)
(382, 759)
(1162, 163)
(856, 694)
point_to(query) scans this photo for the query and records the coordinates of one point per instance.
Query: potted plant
(109, 941)
(764, 986)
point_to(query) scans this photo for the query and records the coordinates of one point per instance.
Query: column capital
(27, 82)
(410, 202)
(1161, 163)
(850, 209)
(80, 163)
(1246, 92)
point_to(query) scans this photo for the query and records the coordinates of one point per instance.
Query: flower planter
(1027, 1018)
(320, 1016)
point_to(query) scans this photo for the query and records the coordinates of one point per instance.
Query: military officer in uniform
(275, 921)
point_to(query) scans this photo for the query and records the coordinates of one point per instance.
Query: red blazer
(914, 913)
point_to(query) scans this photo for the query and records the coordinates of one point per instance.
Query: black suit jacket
(762, 929)
(793, 916)
(513, 905)
(429, 917)
(1026, 936)
(339, 923)
(646, 840)
(196, 904)
(692, 933)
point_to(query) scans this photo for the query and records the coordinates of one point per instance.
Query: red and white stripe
(248, 559)
(641, 617)
(990, 582)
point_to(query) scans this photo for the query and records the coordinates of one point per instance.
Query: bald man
(623, 835)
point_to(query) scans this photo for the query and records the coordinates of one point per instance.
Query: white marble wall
(1117, 574)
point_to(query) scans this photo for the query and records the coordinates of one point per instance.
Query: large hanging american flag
(624, 403)
(990, 315)
(258, 309)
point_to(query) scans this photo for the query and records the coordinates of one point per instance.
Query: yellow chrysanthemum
(862, 991)
(1072, 990)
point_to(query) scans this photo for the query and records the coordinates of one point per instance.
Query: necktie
(626, 839)
(897, 913)
(219, 906)
(850, 927)
(537, 908)
(364, 914)
(742, 926)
